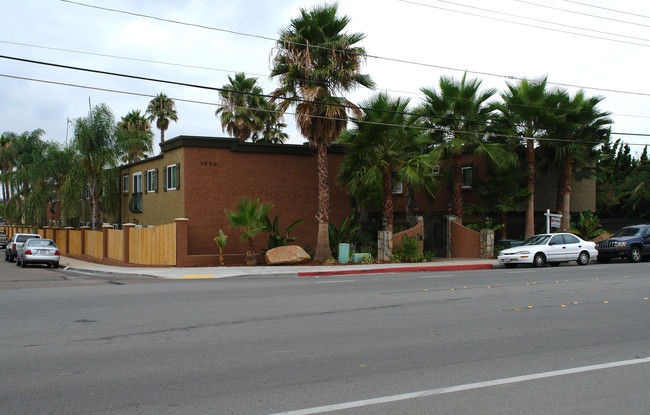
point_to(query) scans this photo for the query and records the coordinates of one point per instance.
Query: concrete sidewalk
(442, 264)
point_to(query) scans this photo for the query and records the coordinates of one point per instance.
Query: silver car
(38, 251)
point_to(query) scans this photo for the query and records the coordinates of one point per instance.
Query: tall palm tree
(459, 116)
(582, 127)
(95, 156)
(384, 147)
(7, 162)
(162, 109)
(525, 110)
(241, 100)
(134, 136)
(316, 61)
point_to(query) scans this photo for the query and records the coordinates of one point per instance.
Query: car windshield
(629, 231)
(537, 240)
(41, 243)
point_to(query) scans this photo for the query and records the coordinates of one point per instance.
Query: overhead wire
(360, 121)
(580, 13)
(608, 9)
(396, 60)
(231, 71)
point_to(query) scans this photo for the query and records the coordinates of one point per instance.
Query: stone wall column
(486, 243)
(385, 246)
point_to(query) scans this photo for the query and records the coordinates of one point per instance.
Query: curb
(435, 268)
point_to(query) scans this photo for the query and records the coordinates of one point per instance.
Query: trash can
(344, 253)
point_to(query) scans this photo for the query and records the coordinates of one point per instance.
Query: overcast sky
(429, 39)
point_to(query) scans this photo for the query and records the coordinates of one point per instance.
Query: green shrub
(409, 250)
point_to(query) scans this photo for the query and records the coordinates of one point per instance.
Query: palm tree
(249, 215)
(162, 109)
(94, 145)
(525, 111)
(384, 147)
(7, 162)
(459, 116)
(582, 128)
(315, 62)
(241, 99)
(134, 136)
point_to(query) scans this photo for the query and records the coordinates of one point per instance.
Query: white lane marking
(333, 282)
(436, 276)
(469, 386)
(520, 272)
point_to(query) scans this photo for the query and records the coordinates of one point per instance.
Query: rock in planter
(286, 255)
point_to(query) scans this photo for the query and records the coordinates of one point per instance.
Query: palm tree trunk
(529, 230)
(388, 196)
(323, 252)
(565, 222)
(457, 193)
(251, 258)
(162, 135)
(503, 232)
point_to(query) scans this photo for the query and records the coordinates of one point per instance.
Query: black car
(631, 242)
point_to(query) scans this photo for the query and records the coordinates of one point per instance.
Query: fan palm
(241, 100)
(384, 147)
(459, 117)
(315, 62)
(249, 215)
(134, 136)
(162, 109)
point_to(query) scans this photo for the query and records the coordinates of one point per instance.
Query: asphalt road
(565, 340)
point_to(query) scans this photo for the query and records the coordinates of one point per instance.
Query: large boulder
(286, 255)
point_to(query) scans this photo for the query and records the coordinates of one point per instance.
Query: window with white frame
(125, 183)
(172, 177)
(467, 177)
(152, 181)
(137, 182)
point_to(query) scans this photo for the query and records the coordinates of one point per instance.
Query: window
(87, 191)
(435, 169)
(125, 183)
(172, 177)
(467, 177)
(397, 188)
(152, 181)
(137, 183)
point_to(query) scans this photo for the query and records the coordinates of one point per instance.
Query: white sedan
(552, 248)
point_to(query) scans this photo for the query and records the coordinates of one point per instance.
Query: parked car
(38, 251)
(3, 239)
(16, 241)
(631, 242)
(550, 248)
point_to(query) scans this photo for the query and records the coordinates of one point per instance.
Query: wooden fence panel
(49, 233)
(116, 244)
(75, 242)
(94, 244)
(60, 241)
(153, 246)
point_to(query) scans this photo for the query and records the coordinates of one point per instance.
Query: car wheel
(23, 264)
(539, 260)
(510, 265)
(17, 261)
(56, 265)
(11, 258)
(602, 260)
(583, 258)
(635, 254)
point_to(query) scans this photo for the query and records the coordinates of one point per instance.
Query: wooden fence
(153, 246)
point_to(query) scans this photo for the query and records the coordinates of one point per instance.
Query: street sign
(555, 222)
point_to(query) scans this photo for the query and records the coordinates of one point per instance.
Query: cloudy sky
(411, 43)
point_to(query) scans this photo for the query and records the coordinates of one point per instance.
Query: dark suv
(631, 242)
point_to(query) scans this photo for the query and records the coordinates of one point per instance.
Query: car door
(646, 242)
(556, 249)
(572, 247)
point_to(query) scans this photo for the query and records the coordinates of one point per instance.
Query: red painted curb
(433, 268)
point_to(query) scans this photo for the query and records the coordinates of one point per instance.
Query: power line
(609, 10)
(542, 21)
(315, 116)
(581, 13)
(404, 61)
(271, 96)
(524, 24)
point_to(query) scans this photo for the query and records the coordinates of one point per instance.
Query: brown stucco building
(198, 177)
